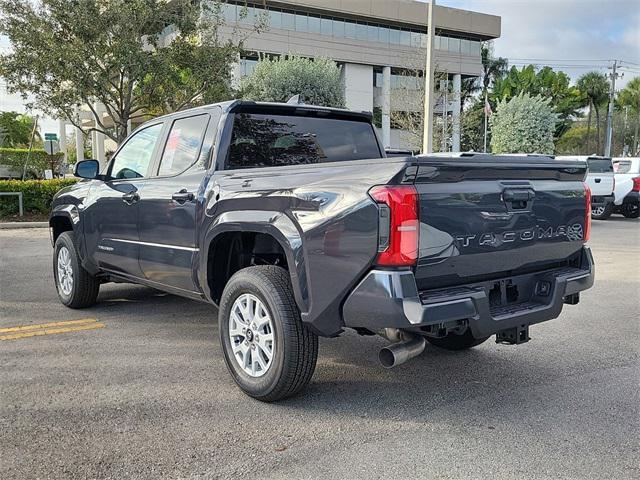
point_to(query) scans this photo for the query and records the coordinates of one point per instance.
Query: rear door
(483, 218)
(169, 204)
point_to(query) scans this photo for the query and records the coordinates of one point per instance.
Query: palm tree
(595, 86)
(630, 97)
(492, 70)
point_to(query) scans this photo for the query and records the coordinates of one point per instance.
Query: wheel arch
(63, 218)
(274, 225)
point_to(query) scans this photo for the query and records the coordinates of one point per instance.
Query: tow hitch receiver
(513, 336)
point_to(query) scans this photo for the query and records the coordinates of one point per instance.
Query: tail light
(398, 226)
(587, 213)
(636, 184)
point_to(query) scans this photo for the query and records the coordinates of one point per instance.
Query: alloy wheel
(65, 271)
(251, 334)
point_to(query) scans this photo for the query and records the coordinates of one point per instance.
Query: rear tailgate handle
(518, 195)
(518, 198)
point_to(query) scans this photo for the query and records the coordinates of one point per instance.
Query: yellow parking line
(50, 329)
(47, 325)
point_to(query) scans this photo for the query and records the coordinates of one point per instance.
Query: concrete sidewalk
(17, 225)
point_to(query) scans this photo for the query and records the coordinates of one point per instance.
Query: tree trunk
(635, 137)
(588, 152)
(597, 129)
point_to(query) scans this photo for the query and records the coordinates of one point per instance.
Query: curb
(18, 225)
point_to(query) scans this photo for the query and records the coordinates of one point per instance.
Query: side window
(183, 144)
(133, 159)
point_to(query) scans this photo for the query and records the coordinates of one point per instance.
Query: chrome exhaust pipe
(398, 353)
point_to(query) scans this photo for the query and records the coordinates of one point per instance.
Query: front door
(111, 208)
(168, 206)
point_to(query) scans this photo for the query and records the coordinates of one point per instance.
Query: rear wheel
(269, 352)
(454, 341)
(602, 212)
(630, 210)
(76, 287)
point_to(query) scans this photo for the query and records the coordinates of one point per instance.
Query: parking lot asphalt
(148, 395)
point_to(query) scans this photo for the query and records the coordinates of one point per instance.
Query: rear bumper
(601, 200)
(391, 299)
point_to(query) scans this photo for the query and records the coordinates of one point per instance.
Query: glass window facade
(341, 28)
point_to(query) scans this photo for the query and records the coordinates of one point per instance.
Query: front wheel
(454, 341)
(602, 212)
(76, 287)
(631, 210)
(269, 352)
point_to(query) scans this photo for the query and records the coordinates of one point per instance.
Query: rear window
(262, 140)
(598, 165)
(626, 166)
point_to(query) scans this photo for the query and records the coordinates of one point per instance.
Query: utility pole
(612, 93)
(427, 137)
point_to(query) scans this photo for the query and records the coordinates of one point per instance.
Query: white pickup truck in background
(627, 186)
(601, 181)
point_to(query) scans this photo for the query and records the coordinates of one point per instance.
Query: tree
(630, 97)
(67, 54)
(318, 81)
(567, 100)
(472, 128)
(492, 68)
(524, 124)
(15, 130)
(595, 86)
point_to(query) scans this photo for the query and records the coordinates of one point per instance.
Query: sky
(571, 35)
(574, 36)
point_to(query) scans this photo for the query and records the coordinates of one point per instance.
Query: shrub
(39, 160)
(37, 195)
(523, 124)
(318, 81)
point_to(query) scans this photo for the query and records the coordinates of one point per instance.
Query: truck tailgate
(484, 217)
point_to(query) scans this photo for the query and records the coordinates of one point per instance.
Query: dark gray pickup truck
(295, 223)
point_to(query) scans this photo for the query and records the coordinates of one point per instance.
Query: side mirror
(87, 169)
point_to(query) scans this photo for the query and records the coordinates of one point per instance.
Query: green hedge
(39, 160)
(36, 194)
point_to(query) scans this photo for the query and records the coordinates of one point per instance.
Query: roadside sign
(48, 174)
(51, 136)
(51, 146)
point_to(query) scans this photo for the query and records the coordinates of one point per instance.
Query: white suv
(601, 181)
(627, 190)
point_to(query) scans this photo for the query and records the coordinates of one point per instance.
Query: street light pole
(612, 93)
(427, 138)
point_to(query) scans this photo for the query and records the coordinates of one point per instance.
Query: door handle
(182, 196)
(598, 180)
(130, 198)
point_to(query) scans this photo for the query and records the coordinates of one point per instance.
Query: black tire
(85, 286)
(630, 210)
(608, 210)
(457, 342)
(295, 345)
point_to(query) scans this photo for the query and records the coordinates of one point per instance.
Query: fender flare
(70, 212)
(276, 224)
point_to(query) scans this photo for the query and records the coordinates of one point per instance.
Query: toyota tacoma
(294, 222)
